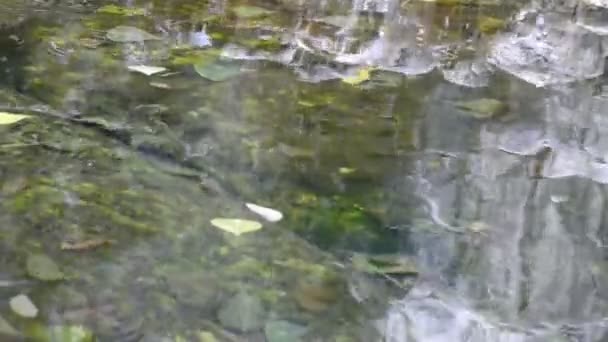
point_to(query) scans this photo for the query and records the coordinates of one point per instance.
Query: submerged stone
(316, 295)
(284, 331)
(41, 267)
(243, 313)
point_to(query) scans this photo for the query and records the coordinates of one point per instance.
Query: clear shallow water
(463, 140)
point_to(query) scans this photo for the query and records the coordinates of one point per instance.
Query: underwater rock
(243, 313)
(41, 267)
(192, 289)
(283, 331)
(550, 50)
(316, 295)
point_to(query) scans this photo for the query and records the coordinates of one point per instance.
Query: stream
(290, 170)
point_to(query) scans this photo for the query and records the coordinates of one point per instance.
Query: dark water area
(366, 170)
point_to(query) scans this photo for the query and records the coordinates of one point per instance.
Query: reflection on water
(440, 166)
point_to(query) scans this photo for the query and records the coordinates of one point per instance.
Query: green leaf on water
(362, 76)
(346, 170)
(10, 118)
(250, 11)
(23, 306)
(41, 267)
(217, 71)
(120, 10)
(236, 226)
(129, 34)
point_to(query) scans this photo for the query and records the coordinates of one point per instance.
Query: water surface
(440, 167)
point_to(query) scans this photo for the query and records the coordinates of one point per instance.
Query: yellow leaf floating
(10, 118)
(236, 226)
(362, 76)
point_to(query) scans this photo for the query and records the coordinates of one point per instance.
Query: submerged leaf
(6, 329)
(10, 118)
(85, 245)
(147, 70)
(66, 333)
(268, 214)
(129, 34)
(489, 25)
(23, 306)
(217, 72)
(206, 336)
(483, 108)
(295, 151)
(250, 11)
(384, 264)
(41, 267)
(236, 226)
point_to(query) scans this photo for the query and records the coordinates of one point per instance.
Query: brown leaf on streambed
(85, 244)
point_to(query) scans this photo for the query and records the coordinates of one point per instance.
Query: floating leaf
(41, 267)
(10, 118)
(147, 70)
(236, 226)
(23, 306)
(362, 76)
(217, 72)
(268, 214)
(119, 10)
(250, 11)
(129, 34)
(346, 170)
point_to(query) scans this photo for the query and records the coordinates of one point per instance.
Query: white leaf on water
(23, 306)
(269, 214)
(147, 70)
